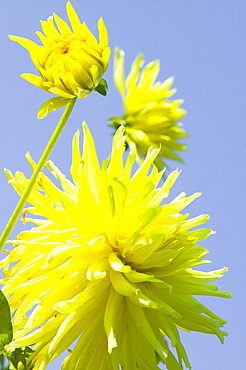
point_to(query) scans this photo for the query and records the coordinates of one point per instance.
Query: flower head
(108, 265)
(70, 62)
(150, 118)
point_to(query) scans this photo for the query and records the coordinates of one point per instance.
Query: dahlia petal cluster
(70, 61)
(109, 264)
(150, 117)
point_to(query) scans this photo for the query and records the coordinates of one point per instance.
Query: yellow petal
(73, 17)
(49, 29)
(62, 25)
(27, 44)
(103, 34)
(35, 80)
(119, 74)
(149, 74)
(51, 105)
(133, 76)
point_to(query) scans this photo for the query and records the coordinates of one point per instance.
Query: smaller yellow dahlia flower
(70, 62)
(150, 118)
(110, 264)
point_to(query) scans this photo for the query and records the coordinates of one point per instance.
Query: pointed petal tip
(15, 38)
(117, 48)
(68, 4)
(101, 21)
(84, 125)
(119, 51)
(121, 130)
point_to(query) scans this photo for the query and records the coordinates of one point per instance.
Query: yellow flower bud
(70, 62)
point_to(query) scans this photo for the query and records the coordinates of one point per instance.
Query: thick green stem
(20, 205)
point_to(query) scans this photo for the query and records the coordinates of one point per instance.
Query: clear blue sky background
(202, 44)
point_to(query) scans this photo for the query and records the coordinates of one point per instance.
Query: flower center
(65, 44)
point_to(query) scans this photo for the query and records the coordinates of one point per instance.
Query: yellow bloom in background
(108, 264)
(70, 62)
(150, 118)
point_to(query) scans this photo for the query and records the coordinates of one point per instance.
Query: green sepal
(102, 87)
(116, 121)
(19, 355)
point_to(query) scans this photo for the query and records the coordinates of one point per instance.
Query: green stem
(20, 205)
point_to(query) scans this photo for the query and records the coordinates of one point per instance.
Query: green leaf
(102, 87)
(6, 330)
(6, 334)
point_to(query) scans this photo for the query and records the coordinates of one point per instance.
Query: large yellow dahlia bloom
(108, 265)
(150, 118)
(70, 62)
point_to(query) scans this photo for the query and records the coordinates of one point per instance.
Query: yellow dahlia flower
(150, 118)
(70, 62)
(107, 265)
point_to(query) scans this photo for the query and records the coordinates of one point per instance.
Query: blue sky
(201, 44)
